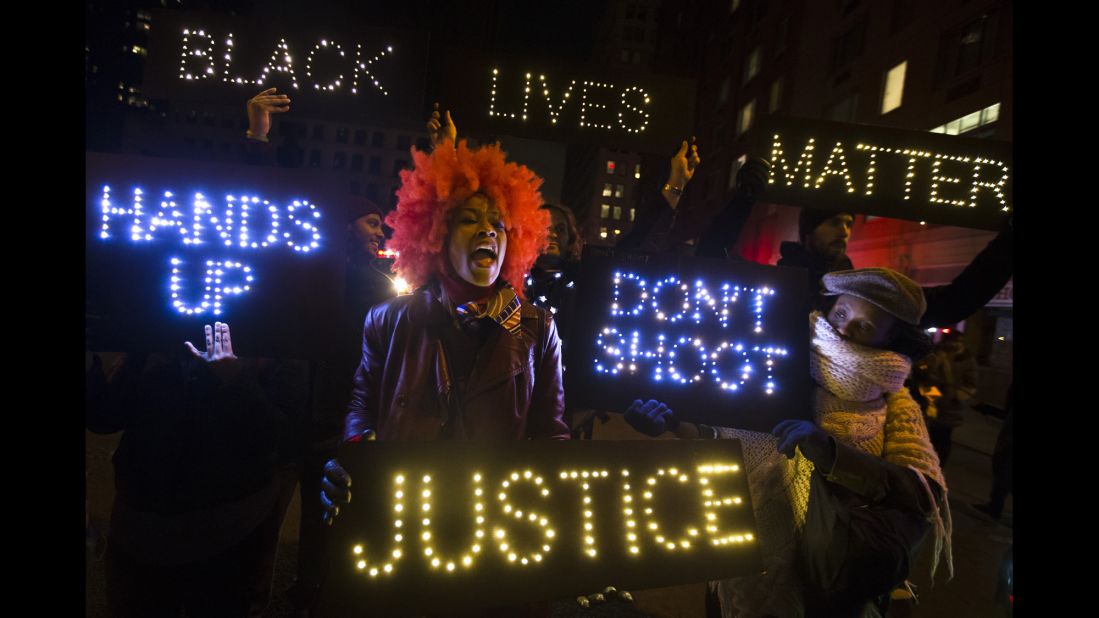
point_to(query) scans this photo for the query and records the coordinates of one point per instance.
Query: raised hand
(260, 108)
(752, 176)
(218, 353)
(441, 130)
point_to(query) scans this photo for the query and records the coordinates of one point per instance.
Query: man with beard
(823, 236)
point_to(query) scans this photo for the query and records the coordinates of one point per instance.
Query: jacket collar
(502, 356)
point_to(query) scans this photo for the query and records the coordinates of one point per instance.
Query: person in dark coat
(468, 227)
(1002, 469)
(821, 248)
(195, 473)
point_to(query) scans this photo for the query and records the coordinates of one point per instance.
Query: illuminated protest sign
(175, 245)
(482, 525)
(326, 66)
(532, 98)
(724, 343)
(914, 175)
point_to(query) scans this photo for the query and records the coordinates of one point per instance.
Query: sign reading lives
(580, 104)
(914, 175)
(175, 245)
(722, 343)
(444, 525)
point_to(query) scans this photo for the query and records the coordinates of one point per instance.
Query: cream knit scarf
(861, 400)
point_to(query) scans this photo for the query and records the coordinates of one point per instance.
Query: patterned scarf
(502, 307)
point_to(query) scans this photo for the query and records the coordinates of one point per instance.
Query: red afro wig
(441, 181)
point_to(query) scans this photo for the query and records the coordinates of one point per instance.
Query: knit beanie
(358, 207)
(810, 218)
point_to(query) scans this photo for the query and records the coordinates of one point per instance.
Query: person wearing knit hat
(821, 247)
(368, 280)
(825, 552)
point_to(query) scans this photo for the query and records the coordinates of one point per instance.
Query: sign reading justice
(912, 175)
(721, 343)
(509, 523)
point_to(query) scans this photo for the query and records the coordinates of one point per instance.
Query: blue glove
(651, 418)
(815, 443)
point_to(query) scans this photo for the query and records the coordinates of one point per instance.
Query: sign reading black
(173, 245)
(331, 66)
(914, 175)
(447, 526)
(723, 343)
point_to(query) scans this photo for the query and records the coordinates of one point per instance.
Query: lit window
(969, 122)
(617, 231)
(610, 167)
(618, 190)
(990, 114)
(637, 168)
(605, 211)
(633, 211)
(893, 92)
(617, 212)
(751, 67)
(744, 119)
(602, 232)
(607, 190)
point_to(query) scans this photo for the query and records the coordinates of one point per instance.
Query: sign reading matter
(912, 175)
(175, 245)
(449, 525)
(723, 343)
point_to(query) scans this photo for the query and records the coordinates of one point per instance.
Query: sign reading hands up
(172, 244)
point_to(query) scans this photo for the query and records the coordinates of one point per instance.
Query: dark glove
(335, 490)
(751, 178)
(651, 418)
(815, 443)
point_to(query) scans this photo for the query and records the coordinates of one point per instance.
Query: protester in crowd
(195, 475)
(951, 368)
(468, 226)
(1002, 455)
(823, 236)
(552, 281)
(653, 231)
(313, 438)
(841, 520)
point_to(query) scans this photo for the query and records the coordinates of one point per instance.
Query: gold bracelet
(675, 190)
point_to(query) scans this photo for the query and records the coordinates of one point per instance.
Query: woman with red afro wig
(463, 357)
(439, 183)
